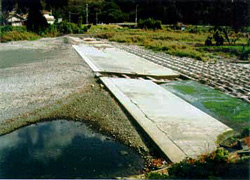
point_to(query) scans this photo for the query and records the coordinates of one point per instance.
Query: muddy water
(64, 149)
(231, 111)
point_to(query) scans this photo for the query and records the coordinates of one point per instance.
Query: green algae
(232, 111)
(186, 89)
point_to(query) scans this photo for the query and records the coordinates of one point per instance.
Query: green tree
(36, 22)
(111, 12)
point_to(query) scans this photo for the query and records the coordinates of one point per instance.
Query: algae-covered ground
(229, 110)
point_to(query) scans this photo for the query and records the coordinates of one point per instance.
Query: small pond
(64, 149)
(231, 111)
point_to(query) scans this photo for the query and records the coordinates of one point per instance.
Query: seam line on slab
(86, 59)
(151, 120)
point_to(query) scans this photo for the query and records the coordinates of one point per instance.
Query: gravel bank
(41, 80)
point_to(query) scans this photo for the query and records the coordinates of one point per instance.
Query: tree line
(204, 12)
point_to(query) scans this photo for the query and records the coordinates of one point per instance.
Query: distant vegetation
(221, 28)
(150, 24)
(190, 42)
(234, 13)
(10, 33)
(184, 43)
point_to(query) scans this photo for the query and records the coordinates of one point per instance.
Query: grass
(18, 36)
(189, 43)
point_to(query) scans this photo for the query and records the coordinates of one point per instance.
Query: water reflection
(63, 149)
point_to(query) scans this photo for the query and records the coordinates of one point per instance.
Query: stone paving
(224, 76)
(179, 129)
(103, 58)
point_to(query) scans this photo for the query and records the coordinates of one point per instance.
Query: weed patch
(188, 43)
(17, 36)
(216, 165)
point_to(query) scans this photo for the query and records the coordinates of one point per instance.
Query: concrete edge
(173, 152)
(170, 77)
(86, 59)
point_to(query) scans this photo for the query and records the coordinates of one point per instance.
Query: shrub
(245, 132)
(51, 31)
(71, 28)
(4, 29)
(106, 35)
(149, 24)
(208, 41)
(36, 22)
(17, 36)
(197, 29)
(155, 175)
(244, 54)
(212, 165)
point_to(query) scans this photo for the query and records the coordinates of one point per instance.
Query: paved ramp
(178, 128)
(103, 57)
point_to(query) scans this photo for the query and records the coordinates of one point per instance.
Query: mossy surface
(229, 110)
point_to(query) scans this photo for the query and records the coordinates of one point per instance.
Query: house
(49, 17)
(15, 19)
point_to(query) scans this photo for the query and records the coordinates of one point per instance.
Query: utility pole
(96, 17)
(1, 15)
(87, 14)
(136, 13)
(69, 16)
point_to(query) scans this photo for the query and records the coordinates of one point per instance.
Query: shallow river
(64, 149)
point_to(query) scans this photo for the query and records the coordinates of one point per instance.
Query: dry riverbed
(47, 80)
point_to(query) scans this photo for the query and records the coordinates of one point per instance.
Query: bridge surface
(179, 129)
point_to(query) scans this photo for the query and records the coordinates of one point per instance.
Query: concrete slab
(106, 58)
(178, 128)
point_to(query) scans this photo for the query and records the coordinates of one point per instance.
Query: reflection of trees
(64, 150)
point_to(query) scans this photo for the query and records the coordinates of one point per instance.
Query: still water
(231, 111)
(64, 149)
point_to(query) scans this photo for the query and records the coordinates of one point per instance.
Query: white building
(16, 20)
(49, 17)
